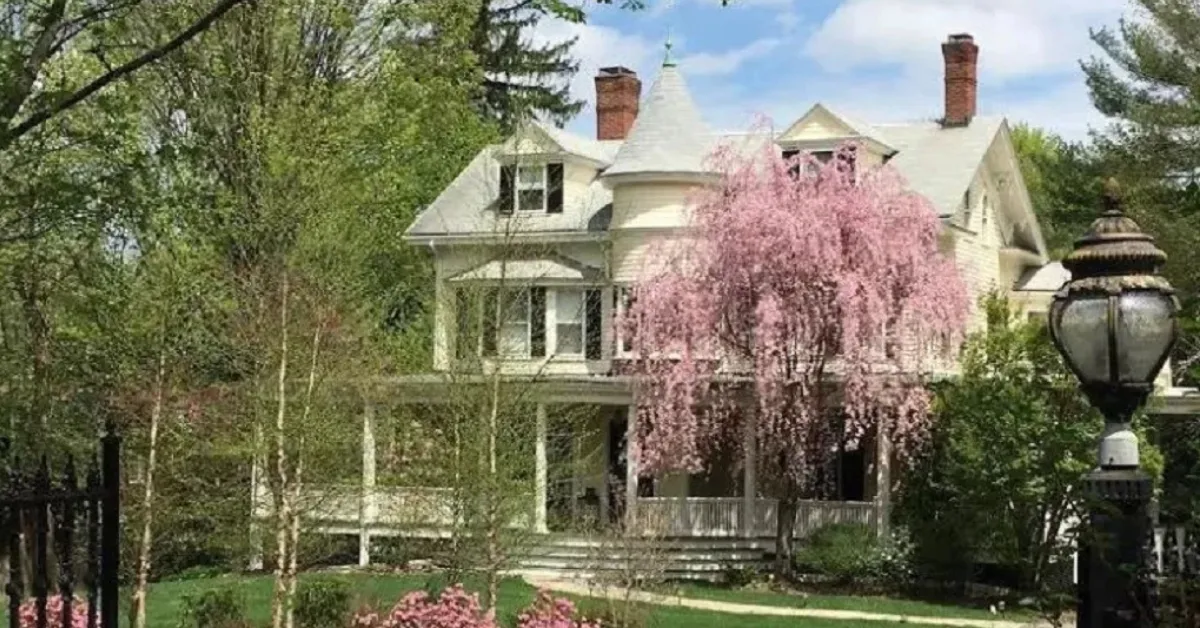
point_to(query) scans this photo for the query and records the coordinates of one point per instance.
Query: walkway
(579, 589)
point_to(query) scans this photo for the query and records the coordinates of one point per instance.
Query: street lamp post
(1115, 324)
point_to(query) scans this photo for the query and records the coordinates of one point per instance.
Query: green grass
(166, 601)
(865, 604)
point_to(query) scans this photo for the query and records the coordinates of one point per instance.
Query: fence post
(110, 532)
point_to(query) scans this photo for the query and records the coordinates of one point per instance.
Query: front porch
(584, 483)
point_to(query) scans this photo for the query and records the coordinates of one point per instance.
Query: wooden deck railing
(723, 516)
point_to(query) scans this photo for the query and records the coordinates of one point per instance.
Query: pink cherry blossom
(819, 292)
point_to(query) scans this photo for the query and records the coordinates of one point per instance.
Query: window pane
(570, 338)
(514, 339)
(532, 176)
(516, 307)
(531, 200)
(568, 306)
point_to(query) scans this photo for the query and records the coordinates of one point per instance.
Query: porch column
(749, 471)
(367, 510)
(541, 469)
(631, 477)
(883, 480)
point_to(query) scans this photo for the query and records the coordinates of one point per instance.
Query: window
(569, 322)
(514, 326)
(967, 208)
(625, 335)
(531, 188)
(822, 156)
(987, 209)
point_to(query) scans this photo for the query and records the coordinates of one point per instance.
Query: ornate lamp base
(1112, 550)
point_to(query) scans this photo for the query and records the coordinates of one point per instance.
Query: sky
(873, 60)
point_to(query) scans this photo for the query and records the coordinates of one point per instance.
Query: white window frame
(580, 319)
(624, 295)
(520, 185)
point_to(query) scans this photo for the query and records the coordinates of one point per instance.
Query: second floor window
(569, 324)
(514, 324)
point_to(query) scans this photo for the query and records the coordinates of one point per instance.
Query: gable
(821, 126)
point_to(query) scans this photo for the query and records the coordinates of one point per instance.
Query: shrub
(738, 576)
(27, 614)
(840, 551)
(549, 612)
(215, 608)
(454, 608)
(321, 603)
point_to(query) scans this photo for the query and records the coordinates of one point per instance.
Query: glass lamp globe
(1115, 321)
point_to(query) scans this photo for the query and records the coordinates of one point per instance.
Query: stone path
(580, 589)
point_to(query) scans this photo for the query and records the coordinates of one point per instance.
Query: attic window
(967, 208)
(822, 156)
(531, 188)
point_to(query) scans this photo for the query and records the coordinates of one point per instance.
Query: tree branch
(39, 117)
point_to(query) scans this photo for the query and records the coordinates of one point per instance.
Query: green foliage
(841, 551)
(1001, 474)
(738, 576)
(321, 602)
(1064, 182)
(215, 608)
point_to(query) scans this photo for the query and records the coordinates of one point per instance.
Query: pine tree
(1150, 82)
(524, 78)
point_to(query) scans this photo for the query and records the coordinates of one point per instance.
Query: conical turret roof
(669, 136)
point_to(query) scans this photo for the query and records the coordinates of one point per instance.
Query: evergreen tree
(1150, 85)
(524, 78)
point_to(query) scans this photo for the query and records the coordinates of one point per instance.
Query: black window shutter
(554, 191)
(462, 312)
(537, 322)
(507, 200)
(491, 300)
(593, 325)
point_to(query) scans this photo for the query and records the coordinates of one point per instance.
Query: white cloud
(729, 61)
(597, 47)
(1018, 38)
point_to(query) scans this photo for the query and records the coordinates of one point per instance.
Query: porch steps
(674, 559)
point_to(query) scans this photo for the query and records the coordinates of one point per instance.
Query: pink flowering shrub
(28, 613)
(454, 608)
(548, 612)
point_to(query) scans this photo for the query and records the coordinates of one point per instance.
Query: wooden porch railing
(723, 516)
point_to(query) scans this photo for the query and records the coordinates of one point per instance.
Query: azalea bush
(456, 608)
(550, 612)
(28, 614)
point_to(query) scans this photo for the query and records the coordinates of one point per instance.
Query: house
(557, 225)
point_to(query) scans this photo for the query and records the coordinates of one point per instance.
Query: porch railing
(723, 516)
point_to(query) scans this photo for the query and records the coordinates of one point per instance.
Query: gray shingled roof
(1048, 278)
(668, 136)
(940, 162)
(466, 206)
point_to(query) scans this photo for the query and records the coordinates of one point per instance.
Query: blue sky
(875, 60)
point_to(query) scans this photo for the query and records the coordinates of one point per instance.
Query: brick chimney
(961, 56)
(618, 91)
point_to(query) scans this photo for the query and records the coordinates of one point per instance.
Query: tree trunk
(493, 518)
(784, 528)
(297, 479)
(283, 500)
(138, 603)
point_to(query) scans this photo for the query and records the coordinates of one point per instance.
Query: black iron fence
(1174, 578)
(62, 535)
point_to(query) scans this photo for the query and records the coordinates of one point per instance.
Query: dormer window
(531, 188)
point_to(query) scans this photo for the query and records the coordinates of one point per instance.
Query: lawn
(865, 604)
(166, 600)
